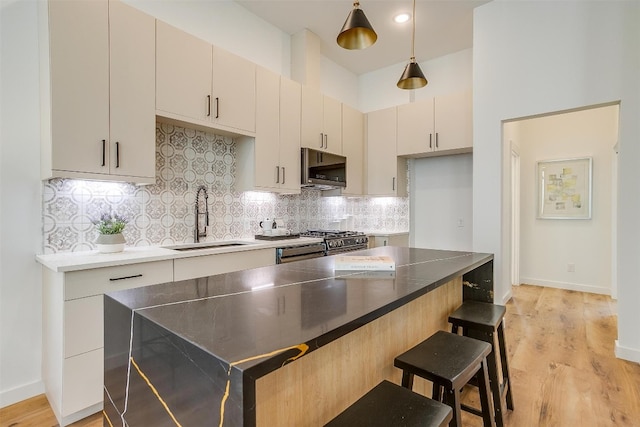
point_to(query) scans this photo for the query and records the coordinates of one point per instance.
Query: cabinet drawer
(97, 281)
(83, 325)
(82, 382)
(209, 265)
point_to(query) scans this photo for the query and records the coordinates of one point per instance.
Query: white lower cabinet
(73, 320)
(83, 381)
(395, 239)
(83, 325)
(208, 265)
(73, 332)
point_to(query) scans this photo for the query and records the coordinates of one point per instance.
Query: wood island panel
(313, 389)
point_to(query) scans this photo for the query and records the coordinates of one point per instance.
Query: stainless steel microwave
(323, 170)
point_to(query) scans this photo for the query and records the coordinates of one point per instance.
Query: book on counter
(356, 262)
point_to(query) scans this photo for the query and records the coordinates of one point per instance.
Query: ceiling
(442, 27)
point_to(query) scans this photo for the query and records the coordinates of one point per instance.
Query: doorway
(574, 254)
(515, 214)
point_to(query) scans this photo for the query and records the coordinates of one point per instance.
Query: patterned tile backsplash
(163, 213)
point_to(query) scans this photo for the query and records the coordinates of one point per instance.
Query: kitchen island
(287, 345)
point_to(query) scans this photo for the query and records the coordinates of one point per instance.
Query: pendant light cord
(413, 34)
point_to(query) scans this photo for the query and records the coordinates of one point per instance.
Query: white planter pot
(110, 243)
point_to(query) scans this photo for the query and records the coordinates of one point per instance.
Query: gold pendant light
(357, 32)
(412, 77)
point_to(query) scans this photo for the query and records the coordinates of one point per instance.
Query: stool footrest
(471, 409)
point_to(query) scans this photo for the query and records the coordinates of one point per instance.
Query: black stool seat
(485, 321)
(450, 361)
(479, 315)
(388, 404)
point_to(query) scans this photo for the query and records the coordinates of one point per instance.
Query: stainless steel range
(337, 241)
(334, 242)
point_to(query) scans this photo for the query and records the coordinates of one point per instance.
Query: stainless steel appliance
(296, 253)
(322, 170)
(334, 242)
(338, 241)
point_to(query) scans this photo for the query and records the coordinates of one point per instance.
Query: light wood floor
(563, 367)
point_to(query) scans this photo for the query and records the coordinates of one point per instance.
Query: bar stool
(450, 361)
(388, 404)
(483, 321)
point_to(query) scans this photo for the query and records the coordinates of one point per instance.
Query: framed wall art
(564, 188)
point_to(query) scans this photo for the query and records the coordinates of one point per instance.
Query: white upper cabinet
(79, 78)
(184, 66)
(353, 150)
(386, 172)
(132, 92)
(266, 157)
(436, 126)
(415, 127)
(290, 98)
(321, 122)
(234, 91)
(454, 121)
(272, 158)
(204, 85)
(96, 118)
(97, 122)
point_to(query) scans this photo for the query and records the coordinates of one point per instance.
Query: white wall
(441, 197)
(450, 73)
(20, 218)
(548, 245)
(538, 57)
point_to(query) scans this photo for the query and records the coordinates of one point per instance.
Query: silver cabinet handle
(321, 140)
(430, 140)
(283, 176)
(326, 138)
(436, 139)
(117, 154)
(208, 105)
(277, 174)
(394, 184)
(104, 152)
(125, 277)
(217, 107)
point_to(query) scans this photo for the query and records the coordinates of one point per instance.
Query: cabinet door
(332, 124)
(290, 96)
(234, 91)
(266, 153)
(453, 121)
(415, 128)
(183, 74)
(353, 149)
(381, 152)
(79, 61)
(82, 381)
(311, 135)
(83, 325)
(132, 92)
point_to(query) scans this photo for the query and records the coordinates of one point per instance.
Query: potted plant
(110, 227)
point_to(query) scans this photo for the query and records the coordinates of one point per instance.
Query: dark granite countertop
(238, 316)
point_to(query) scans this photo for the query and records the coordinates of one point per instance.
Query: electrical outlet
(571, 268)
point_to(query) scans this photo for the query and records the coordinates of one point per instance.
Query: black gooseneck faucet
(197, 233)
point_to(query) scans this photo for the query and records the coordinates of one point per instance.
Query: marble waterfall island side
(291, 344)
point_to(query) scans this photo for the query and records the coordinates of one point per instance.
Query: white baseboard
(505, 298)
(626, 353)
(18, 394)
(566, 285)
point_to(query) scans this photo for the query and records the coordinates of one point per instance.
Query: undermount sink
(208, 245)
